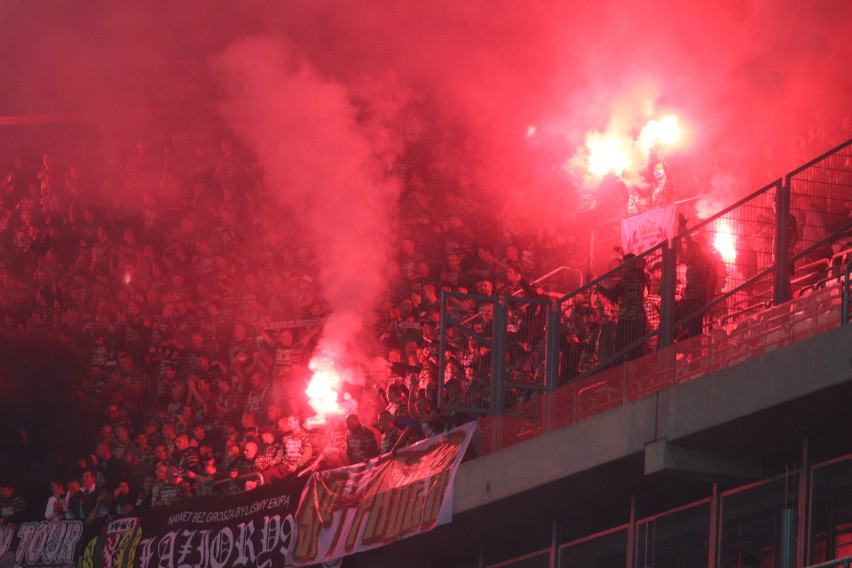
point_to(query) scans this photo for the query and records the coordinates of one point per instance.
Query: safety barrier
(238, 484)
(542, 364)
(761, 522)
(817, 312)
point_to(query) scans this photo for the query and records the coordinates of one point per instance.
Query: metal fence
(542, 364)
(830, 529)
(674, 539)
(760, 521)
(602, 550)
(471, 327)
(775, 522)
(538, 559)
(821, 203)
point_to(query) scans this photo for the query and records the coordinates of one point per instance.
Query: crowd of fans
(188, 304)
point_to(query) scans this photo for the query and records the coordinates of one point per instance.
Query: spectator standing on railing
(360, 441)
(247, 462)
(57, 503)
(82, 502)
(123, 445)
(109, 469)
(144, 499)
(258, 395)
(122, 500)
(700, 280)
(298, 446)
(627, 289)
(390, 433)
(204, 481)
(185, 457)
(169, 488)
(72, 500)
(13, 508)
(271, 453)
(409, 260)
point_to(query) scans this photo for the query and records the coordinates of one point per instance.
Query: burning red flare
(725, 241)
(324, 389)
(607, 155)
(663, 132)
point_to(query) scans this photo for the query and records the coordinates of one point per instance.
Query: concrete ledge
(652, 426)
(556, 455)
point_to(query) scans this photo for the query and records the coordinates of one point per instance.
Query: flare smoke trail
(324, 164)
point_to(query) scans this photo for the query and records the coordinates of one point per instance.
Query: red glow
(607, 154)
(725, 241)
(663, 132)
(324, 389)
(619, 151)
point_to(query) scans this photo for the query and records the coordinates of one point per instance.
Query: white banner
(646, 230)
(393, 496)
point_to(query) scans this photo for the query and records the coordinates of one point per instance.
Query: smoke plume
(761, 86)
(326, 164)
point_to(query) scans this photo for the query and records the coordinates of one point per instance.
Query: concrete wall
(657, 425)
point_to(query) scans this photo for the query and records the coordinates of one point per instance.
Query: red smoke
(317, 89)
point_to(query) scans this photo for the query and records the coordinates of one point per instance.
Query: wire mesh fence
(821, 205)
(830, 528)
(606, 550)
(467, 354)
(759, 522)
(674, 539)
(716, 296)
(540, 559)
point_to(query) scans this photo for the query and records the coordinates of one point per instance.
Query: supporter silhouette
(360, 441)
(699, 281)
(627, 289)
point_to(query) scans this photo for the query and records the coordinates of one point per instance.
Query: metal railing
(839, 563)
(766, 520)
(541, 363)
(237, 484)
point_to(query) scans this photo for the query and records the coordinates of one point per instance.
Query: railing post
(631, 533)
(667, 293)
(552, 362)
(802, 534)
(442, 349)
(712, 549)
(554, 324)
(498, 357)
(782, 241)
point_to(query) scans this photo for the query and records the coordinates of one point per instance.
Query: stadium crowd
(189, 302)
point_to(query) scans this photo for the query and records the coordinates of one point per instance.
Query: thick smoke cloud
(325, 162)
(762, 86)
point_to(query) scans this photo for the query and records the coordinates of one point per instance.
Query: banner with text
(646, 230)
(254, 529)
(47, 543)
(393, 496)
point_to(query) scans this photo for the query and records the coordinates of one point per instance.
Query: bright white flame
(531, 130)
(725, 241)
(607, 154)
(665, 131)
(324, 388)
